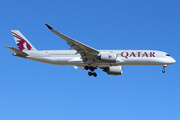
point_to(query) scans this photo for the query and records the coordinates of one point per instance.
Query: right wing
(87, 53)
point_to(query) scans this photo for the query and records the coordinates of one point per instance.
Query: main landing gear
(92, 73)
(92, 70)
(164, 66)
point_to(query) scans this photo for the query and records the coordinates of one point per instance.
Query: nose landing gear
(92, 70)
(164, 66)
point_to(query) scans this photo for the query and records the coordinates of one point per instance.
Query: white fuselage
(125, 57)
(87, 58)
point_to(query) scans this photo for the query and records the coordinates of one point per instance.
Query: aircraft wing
(85, 51)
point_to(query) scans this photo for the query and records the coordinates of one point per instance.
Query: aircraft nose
(173, 60)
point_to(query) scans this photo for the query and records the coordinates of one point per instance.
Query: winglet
(48, 26)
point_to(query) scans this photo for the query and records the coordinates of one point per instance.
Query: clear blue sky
(36, 91)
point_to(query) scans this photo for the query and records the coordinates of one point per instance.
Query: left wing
(88, 54)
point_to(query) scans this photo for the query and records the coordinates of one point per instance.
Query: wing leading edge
(87, 53)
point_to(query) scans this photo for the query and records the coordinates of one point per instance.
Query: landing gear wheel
(95, 75)
(86, 67)
(91, 68)
(89, 73)
(164, 66)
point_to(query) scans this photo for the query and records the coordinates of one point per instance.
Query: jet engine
(114, 70)
(108, 57)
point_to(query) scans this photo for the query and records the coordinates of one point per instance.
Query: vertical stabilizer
(22, 43)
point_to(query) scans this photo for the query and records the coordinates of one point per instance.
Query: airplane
(87, 58)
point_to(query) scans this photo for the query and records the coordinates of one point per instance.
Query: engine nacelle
(108, 57)
(114, 70)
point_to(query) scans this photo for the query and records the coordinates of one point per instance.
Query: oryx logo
(21, 43)
(110, 56)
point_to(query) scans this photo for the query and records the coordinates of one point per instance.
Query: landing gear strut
(92, 70)
(164, 66)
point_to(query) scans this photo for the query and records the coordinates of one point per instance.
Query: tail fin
(22, 43)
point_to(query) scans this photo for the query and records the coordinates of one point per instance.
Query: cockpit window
(167, 55)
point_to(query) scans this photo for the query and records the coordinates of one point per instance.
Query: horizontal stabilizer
(16, 51)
